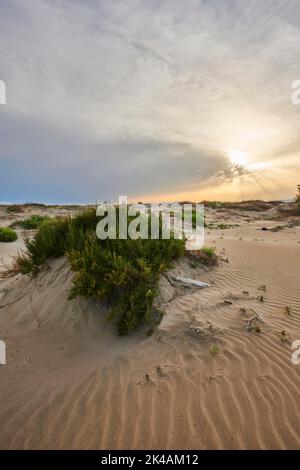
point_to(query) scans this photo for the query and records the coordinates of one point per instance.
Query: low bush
(32, 222)
(7, 235)
(15, 208)
(206, 255)
(209, 251)
(123, 272)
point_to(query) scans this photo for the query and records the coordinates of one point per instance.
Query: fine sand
(199, 381)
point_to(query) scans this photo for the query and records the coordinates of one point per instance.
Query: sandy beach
(149, 231)
(201, 380)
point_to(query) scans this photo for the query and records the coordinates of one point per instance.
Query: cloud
(152, 92)
(63, 165)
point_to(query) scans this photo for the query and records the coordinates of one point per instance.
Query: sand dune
(200, 381)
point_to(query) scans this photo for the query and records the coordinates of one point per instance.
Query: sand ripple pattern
(71, 383)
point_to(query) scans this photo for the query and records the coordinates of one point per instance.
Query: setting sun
(238, 157)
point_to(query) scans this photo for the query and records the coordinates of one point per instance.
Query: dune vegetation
(7, 235)
(31, 223)
(14, 209)
(123, 272)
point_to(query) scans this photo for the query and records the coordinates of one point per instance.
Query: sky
(154, 99)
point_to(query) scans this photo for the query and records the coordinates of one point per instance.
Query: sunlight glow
(238, 157)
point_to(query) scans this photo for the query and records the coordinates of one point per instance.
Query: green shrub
(32, 222)
(7, 235)
(15, 208)
(209, 251)
(48, 242)
(215, 349)
(211, 204)
(123, 272)
(35, 204)
(194, 219)
(224, 226)
(206, 255)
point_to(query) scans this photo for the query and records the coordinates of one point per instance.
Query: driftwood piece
(192, 282)
(255, 317)
(259, 315)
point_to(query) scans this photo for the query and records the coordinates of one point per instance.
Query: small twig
(256, 316)
(249, 322)
(259, 315)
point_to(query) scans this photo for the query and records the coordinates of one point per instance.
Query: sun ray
(238, 157)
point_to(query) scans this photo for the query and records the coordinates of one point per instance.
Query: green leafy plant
(32, 222)
(223, 226)
(195, 221)
(7, 235)
(212, 204)
(15, 208)
(209, 251)
(215, 349)
(206, 255)
(201, 219)
(124, 273)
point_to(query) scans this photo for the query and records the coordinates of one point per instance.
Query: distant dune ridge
(199, 381)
